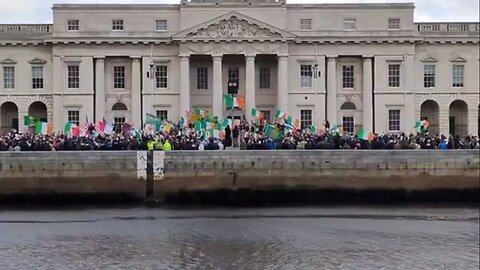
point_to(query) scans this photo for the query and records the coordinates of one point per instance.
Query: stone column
(332, 90)
(184, 85)
(443, 119)
(136, 109)
(472, 119)
(367, 101)
(217, 93)
(100, 89)
(59, 84)
(249, 86)
(282, 92)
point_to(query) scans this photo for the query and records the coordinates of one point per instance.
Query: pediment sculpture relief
(232, 28)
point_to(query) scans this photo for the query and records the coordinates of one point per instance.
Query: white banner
(158, 165)
(142, 165)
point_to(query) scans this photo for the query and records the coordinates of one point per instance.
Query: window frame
(305, 123)
(306, 22)
(391, 75)
(116, 24)
(162, 114)
(348, 82)
(348, 124)
(306, 76)
(36, 84)
(202, 78)
(264, 78)
(389, 24)
(119, 81)
(429, 79)
(161, 77)
(458, 76)
(73, 82)
(157, 24)
(8, 85)
(354, 24)
(390, 121)
(70, 113)
(71, 27)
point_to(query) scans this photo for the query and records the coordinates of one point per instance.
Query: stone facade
(359, 65)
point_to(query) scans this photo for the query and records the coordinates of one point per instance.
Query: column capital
(331, 58)
(217, 57)
(99, 59)
(282, 56)
(250, 57)
(184, 57)
(367, 57)
(136, 59)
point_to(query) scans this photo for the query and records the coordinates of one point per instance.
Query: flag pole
(315, 75)
(152, 77)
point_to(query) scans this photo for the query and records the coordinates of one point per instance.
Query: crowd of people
(243, 137)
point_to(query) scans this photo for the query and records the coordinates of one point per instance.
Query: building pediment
(8, 61)
(233, 26)
(37, 61)
(458, 59)
(429, 60)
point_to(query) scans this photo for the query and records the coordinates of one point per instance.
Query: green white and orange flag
(362, 135)
(281, 114)
(43, 128)
(256, 113)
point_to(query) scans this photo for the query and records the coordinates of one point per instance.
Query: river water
(261, 238)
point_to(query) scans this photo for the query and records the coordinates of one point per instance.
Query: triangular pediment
(233, 26)
(37, 61)
(458, 59)
(429, 60)
(8, 61)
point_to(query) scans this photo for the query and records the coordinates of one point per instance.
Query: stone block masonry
(114, 172)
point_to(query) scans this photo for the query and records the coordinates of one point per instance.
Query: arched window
(119, 107)
(348, 106)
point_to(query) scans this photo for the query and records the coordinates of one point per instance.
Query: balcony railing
(26, 28)
(448, 27)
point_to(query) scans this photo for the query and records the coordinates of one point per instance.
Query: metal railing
(448, 27)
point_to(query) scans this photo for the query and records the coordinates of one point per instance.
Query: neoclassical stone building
(359, 65)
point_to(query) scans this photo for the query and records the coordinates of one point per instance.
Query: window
(117, 25)
(305, 118)
(161, 76)
(266, 116)
(162, 114)
(305, 75)
(119, 77)
(74, 117)
(73, 25)
(393, 24)
(457, 75)
(202, 78)
(349, 124)
(118, 123)
(8, 77)
(73, 76)
(349, 24)
(348, 76)
(264, 78)
(233, 80)
(394, 75)
(161, 25)
(429, 76)
(306, 24)
(394, 120)
(37, 77)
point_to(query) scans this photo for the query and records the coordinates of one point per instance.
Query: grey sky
(39, 11)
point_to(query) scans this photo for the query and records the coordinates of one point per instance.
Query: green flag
(229, 101)
(313, 129)
(418, 124)
(198, 126)
(29, 120)
(269, 130)
(362, 135)
(68, 128)
(255, 113)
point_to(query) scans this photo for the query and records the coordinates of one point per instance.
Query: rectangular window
(305, 118)
(266, 116)
(117, 25)
(429, 76)
(233, 80)
(73, 25)
(349, 24)
(306, 75)
(161, 76)
(119, 77)
(73, 76)
(394, 75)
(162, 114)
(393, 24)
(118, 123)
(457, 75)
(9, 77)
(74, 117)
(306, 24)
(37, 77)
(349, 124)
(202, 78)
(348, 73)
(264, 78)
(161, 25)
(394, 120)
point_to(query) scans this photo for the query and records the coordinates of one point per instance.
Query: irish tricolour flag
(255, 113)
(281, 114)
(43, 128)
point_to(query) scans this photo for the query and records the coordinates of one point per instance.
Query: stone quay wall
(118, 172)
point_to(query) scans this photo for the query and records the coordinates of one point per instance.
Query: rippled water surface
(262, 238)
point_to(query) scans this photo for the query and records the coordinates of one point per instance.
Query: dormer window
(305, 24)
(73, 25)
(117, 25)
(393, 24)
